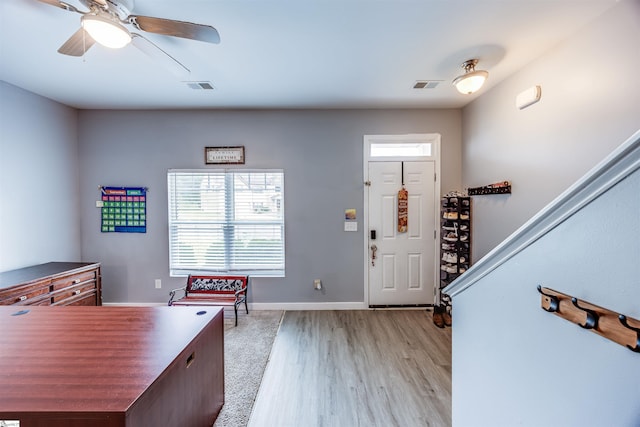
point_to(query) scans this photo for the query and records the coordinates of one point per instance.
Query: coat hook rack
(604, 322)
(623, 320)
(592, 316)
(552, 301)
(503, 187)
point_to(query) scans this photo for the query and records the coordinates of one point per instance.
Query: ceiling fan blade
(61, 5)
(78, 44)
(168, 27)
(159, 55)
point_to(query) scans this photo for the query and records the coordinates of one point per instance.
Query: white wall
(514, 364)
(321, 154)
(39, 215)
(590, 104)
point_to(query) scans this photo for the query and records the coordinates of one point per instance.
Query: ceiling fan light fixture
(471, 81)
(106, 31)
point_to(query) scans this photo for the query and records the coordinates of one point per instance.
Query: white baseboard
(290, 306)
(133, 304)
(299, 306)
(286, 306)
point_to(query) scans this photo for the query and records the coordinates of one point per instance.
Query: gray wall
(320, 152)
(39, 209)
(514, 364)
(529, 367)
(590, 104)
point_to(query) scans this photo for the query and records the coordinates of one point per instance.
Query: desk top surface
(79, 358)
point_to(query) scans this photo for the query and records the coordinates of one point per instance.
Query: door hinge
(435, 177)
(434, 234)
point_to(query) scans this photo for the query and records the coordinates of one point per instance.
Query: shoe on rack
(438, 318)
(446, 317)
(451, 268)
(451, 237)
(464, 237)
(454, 193)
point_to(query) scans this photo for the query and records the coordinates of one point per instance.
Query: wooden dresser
(53, 283)
(111, 366)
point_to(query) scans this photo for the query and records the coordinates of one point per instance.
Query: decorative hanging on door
(403, 206)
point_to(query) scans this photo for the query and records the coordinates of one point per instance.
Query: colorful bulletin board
(124, 209)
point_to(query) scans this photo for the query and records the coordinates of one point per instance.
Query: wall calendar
(124, 209)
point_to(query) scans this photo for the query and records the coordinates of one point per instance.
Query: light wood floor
(356, 368)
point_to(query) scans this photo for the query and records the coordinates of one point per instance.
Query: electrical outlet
(317, 284)
(158, 283)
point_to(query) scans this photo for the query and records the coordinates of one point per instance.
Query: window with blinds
(226, 221)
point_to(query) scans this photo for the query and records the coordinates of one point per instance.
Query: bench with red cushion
(208, 290)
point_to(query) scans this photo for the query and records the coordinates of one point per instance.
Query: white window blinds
(226, 221)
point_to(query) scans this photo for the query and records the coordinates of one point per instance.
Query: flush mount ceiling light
(471, 80)
(106, 31)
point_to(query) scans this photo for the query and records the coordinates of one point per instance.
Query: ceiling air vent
(200, 85)
(426, 84)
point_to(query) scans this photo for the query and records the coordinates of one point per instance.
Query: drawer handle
(22, 298)
(76, 292)
(75, 282)
(190, 359)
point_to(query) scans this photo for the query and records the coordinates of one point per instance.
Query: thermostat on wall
(350, 226)
(528, 97)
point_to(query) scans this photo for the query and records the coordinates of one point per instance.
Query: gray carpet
(246, 351)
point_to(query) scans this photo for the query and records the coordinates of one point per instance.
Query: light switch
(350, 226)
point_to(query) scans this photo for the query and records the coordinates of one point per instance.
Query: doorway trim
(413, 138)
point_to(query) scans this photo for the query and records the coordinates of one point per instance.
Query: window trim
(228, 173)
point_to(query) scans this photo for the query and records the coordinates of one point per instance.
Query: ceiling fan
(105, 22)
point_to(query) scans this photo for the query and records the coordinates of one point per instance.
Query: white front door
(403, 270)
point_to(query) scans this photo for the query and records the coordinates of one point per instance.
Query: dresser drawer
(84, 288)
(83, 299)
(73, 280)
(32, 293)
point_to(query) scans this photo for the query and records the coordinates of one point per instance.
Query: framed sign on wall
(224, 155)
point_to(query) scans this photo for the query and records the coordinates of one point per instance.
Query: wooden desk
(111, 366)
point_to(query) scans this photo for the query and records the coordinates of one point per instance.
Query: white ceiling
(290, 54)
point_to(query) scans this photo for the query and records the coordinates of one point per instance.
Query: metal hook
(554, 303)
(623, 320)
(592, 316)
